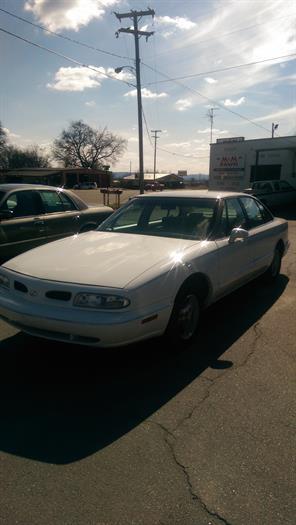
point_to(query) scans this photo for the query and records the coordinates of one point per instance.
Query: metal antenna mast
(210, 115)
(155, 131)
(135, 16)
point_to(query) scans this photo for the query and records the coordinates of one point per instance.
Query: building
(170, 180)
(67, 177)
(236, 162)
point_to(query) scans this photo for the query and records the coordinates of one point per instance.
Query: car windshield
(182, 218)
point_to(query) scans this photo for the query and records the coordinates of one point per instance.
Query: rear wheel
(273, 271)
(184, 320)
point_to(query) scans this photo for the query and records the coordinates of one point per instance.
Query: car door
(233, 257)
(25, 228)
(261, 233)
(61, 216)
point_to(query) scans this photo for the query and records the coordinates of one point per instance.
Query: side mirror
(6, 214)
(238, 235)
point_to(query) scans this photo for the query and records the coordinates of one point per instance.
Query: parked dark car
(31, 215)
(154, 186)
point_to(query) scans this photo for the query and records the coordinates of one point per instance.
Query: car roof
(198, 194)
(20, 186)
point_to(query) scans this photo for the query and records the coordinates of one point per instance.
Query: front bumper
(92, 328)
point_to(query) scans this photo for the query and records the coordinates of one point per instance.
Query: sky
(237, 57)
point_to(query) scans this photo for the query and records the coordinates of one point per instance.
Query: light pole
(155, 131)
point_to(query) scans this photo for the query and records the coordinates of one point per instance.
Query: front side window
(188, 218)
(23, 203)
(232, 217)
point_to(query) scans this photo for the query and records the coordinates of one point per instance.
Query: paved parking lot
(138, 436)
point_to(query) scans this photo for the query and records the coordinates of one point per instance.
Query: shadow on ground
(61, 403)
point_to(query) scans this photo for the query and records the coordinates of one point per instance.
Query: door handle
(40, 224)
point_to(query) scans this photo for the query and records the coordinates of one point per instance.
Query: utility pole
(135, 16)
(210, 115)
(155, 131)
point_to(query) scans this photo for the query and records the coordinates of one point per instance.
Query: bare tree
(82, 146)
(31, 157)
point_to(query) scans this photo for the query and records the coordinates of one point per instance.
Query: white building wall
(231, 162)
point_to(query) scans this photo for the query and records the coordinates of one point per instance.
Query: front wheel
(184, 320)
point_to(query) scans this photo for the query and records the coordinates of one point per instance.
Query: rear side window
(256, 213)
(67, 203)
(285, 186)
(51, 201)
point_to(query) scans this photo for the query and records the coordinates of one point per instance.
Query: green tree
(86, 147)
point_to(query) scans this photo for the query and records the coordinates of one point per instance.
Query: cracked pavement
(141, 437)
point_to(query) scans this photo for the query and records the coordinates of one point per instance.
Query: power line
(146, 127)
(64, 56)
(184, 156)
(166, 150)
(211, 100)
(193, 75)
(60, 35)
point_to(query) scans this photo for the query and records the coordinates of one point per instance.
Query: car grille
(56, 295)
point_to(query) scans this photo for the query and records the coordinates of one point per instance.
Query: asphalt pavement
(139, 436)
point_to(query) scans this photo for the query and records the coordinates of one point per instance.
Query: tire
(273, 271)
(184, 320)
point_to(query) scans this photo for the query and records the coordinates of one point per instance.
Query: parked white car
(86, 186)
(146, 271)
(273, 193)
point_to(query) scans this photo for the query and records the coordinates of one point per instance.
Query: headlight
(4, 281)
(100, 301)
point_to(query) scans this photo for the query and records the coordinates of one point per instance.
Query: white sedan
(146, 271)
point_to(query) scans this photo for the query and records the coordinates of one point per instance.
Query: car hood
(99, 258)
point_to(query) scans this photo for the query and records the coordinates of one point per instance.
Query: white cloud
(228, 102)
(10, 134)
(183, 145)
(67, 14)
(285, 113)
(269, 32)
(183, 104)
(90, 104)
(80, 78)
(214, 130)
(76, 79)
(133, 139)
(211, 80)
(146, 93)
(178, 22)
